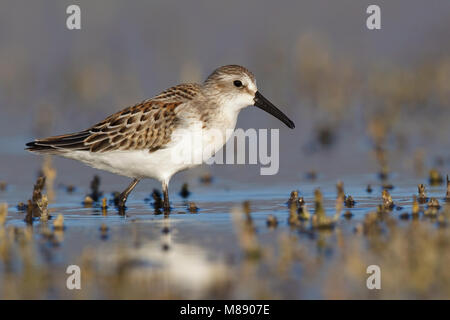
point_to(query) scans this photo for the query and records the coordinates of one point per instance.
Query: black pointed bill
(267, 106)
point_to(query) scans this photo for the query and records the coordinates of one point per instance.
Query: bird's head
(235, 87)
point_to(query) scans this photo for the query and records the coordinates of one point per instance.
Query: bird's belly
(134, 164)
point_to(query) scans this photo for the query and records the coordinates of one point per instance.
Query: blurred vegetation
(413, 254)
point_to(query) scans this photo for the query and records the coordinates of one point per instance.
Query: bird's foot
(166, 207)
(121, 203)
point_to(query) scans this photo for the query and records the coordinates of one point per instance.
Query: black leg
(166, 196)
(124, 195)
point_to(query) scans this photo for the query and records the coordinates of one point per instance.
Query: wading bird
(139, 141)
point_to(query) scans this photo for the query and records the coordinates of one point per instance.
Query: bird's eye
(237, 83)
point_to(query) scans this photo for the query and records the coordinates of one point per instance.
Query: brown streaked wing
(137, 128)
(145, 126)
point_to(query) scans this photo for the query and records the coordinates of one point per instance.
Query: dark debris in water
(388, 186)
(388, 203)
(115, 198)
(37, 206)
(184, 193)
(157, 199)
(192, 207)
(272, 221)
(22, 206)
(95, 189)
(349, 202)
(348, 215)
(404, 216)
(434, 203)
(422, 198)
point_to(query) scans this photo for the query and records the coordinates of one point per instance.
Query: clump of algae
(388, 203)
(320, 220)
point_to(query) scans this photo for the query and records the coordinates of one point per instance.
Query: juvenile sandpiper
(139, 141)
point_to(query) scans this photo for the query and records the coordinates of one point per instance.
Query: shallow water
(192, 255)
